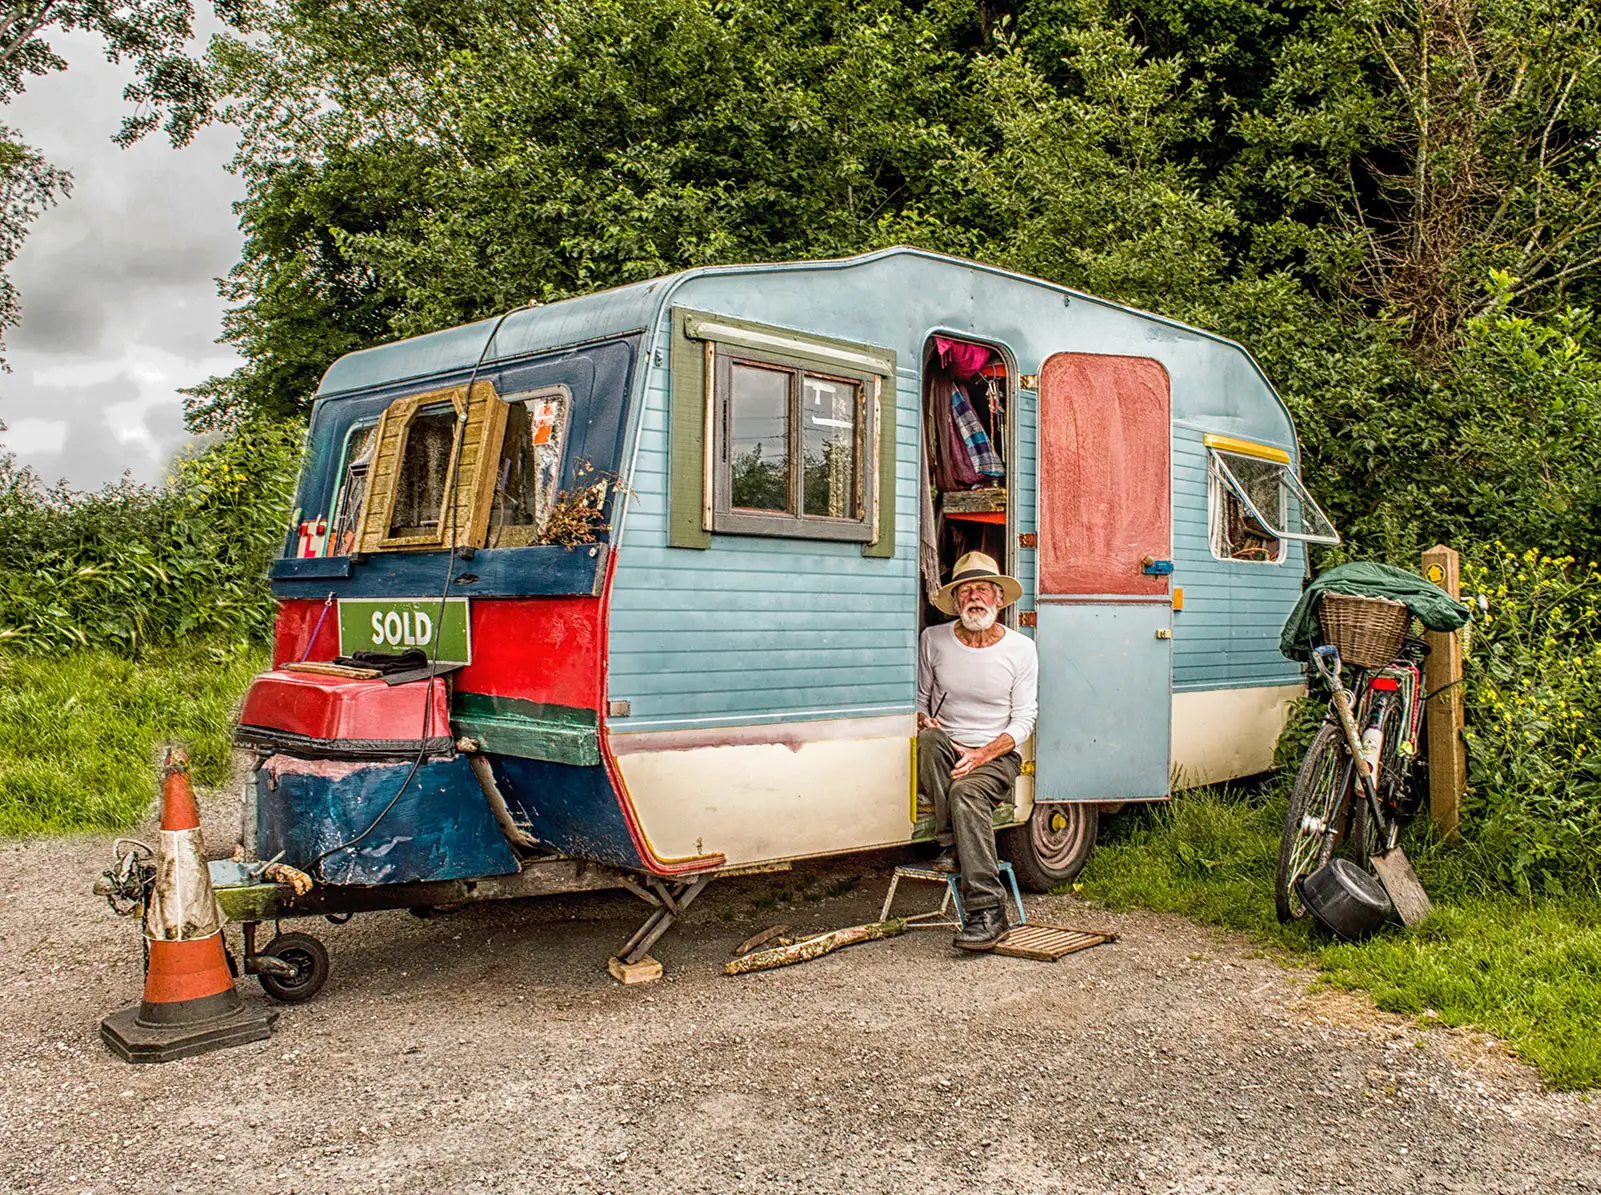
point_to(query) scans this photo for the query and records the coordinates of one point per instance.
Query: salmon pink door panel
(1104, 625)
(1103, 474)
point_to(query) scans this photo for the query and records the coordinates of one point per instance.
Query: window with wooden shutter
(432, 477)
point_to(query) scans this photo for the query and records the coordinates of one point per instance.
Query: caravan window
(352, 494)
(529, 474)
(1258, 503)
(424, 487)
(792, 452)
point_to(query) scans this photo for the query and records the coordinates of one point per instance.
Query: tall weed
(129, 566)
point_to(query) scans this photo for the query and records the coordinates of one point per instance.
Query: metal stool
(939, 918)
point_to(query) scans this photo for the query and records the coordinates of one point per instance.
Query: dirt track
(488, 1051)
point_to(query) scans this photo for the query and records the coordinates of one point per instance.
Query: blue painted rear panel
(439, 829)
(570, 808)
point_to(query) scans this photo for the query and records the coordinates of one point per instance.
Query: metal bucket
(1345, 900)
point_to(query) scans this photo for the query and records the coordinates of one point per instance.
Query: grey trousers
(967, 806)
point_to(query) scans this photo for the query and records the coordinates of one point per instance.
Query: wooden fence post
(1446, 711)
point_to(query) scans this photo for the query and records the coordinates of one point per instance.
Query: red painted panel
(540, 649)
(1104, 474)
(335, 707)
(297, 619)
(545, 649)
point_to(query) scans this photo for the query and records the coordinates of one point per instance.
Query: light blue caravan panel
(755, 631)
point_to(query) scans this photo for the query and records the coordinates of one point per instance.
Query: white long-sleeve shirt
(979, 693)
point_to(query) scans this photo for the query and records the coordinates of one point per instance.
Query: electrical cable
(459, 441)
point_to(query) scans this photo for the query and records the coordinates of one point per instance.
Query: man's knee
(970, 792)
(932, 738)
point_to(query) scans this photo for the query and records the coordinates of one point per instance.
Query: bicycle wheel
(1317, 817)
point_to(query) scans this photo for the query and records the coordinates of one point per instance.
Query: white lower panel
(814, 788)
(1219, 734)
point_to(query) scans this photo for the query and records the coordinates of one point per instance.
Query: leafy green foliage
(1534, 721)
(81, 731)
(132, 567)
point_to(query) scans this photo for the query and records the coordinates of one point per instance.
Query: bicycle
(1359, 780)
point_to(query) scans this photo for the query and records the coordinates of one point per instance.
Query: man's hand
(926, 721)
(968, 758)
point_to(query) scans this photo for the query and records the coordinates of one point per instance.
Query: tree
(170, 89)
(1407, 148)
(1391, 202)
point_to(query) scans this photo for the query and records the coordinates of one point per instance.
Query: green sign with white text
(394, 625)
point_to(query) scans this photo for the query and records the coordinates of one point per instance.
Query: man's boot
(983, 929)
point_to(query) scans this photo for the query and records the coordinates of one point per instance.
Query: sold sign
(441, 629)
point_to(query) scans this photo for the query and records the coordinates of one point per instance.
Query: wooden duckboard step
(1047, 943)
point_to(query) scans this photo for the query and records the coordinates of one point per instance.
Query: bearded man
(977, 699)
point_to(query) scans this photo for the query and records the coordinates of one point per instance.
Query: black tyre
(1052, 846)
(307, 956)
(1318, 817)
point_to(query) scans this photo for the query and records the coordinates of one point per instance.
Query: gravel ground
(488, 1051)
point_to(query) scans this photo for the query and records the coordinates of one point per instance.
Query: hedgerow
(130, 567)
(1534, 719)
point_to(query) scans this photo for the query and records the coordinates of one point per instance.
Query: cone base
(138, 1040)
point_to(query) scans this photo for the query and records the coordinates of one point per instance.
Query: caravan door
(1105, 617)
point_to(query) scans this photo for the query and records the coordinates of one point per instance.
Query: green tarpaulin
(1430, 605)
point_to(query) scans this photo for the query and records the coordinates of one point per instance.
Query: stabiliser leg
(632, 962)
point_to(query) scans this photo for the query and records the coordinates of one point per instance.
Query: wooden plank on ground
(1403, 886)
(1047, 943)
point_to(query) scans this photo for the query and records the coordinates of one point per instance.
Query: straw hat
(976, 566)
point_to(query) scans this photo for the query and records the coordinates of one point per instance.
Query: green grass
(1527, 971)
(80, 732)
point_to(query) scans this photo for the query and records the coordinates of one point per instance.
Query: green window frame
(716, 360)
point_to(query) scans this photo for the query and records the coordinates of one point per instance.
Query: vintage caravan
(663, 554)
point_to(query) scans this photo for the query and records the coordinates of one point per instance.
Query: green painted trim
(248, 902)
(789, 342)
(1004, 817)
(884, 547)
(686, 434)
(529, 729)
(686, 483)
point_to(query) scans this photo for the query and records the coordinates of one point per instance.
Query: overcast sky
(119, 302)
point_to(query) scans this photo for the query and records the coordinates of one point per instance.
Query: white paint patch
(1220, 734)
(810, 792)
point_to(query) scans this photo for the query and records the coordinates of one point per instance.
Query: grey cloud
(91, 453)
(119, 276)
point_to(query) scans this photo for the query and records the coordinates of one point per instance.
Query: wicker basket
(1368, 631)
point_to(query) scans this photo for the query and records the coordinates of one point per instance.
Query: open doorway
(967, 444)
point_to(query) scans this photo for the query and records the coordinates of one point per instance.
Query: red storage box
(311, 714)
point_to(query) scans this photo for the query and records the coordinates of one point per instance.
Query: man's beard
(979, 623)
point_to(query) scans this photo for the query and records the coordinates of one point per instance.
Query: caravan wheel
(1052, 846)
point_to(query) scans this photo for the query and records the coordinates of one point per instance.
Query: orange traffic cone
(190, 1005)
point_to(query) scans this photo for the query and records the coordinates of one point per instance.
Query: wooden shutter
(480, 458)
(474, 488)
